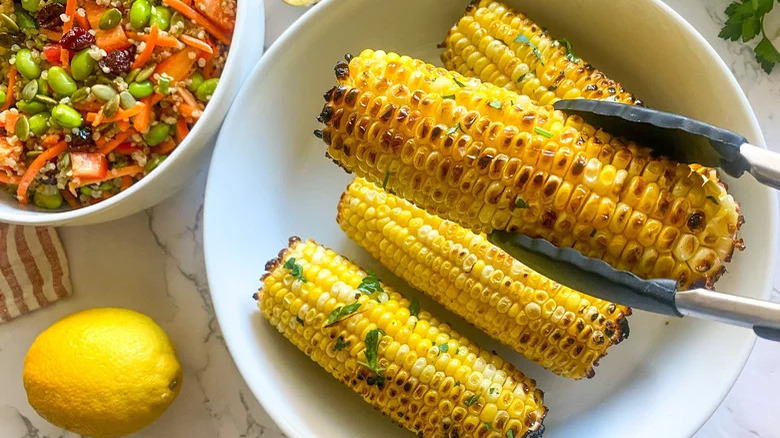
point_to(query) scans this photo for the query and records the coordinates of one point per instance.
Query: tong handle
(763, 164)
(762, 316)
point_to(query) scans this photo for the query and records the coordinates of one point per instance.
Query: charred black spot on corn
(342, 70)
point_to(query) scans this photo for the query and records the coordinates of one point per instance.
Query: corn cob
(498, 45)
(490, 159)
(561, 329)
(423, 375)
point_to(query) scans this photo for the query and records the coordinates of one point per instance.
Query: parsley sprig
(522, 39)
(341, 312)
(372, 354)
(371, 286)
(746, 21)
(296, 270)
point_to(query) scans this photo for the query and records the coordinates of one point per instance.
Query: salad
(96, 94)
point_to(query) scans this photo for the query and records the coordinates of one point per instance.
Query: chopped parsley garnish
(370, 284)
(457, 351)
(746, 21)
(296, 270)
(488, 426)
(372, 354)
(543, 132)
(455, 128)
(443, 348)
(520, 203)
(300, 321)
(414, 307)
(569, 51)
(386, 180)
(522, 39)
(495, 104)
(449, 96)
(491, 391)
(471, 400)
(457, 383)
(713, 199)
(522, 78)
(341, 312)
(459, 83)
(510, 434)
(552, 88)
(340, 344)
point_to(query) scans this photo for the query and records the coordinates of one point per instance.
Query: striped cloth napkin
(34, 269)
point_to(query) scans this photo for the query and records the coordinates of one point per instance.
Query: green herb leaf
(522, 39)
(510, 434)
(300, 321)
(457, 383)
(372, 350)
(569, 51)
(766, 54)
(443, 348)
(370, 284)
(543, 132)
(449, 96)
(454, 129)
(520, 203)
(341, 312)
(385, 181)
(492, 391)
(746, 21)
(522, 78)
(340, 344)
(751, 26)
(488, 426)
(713, 199)
(295, 269)
(459, 83)
(414, 307)
(495, 104)
(471, 400)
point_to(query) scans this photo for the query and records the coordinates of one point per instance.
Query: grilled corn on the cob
(417, 371)
(488, 158)
(498, 45)
(561, 329)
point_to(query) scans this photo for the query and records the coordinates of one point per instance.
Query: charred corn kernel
(482, 284)
(504, 47)
(433, 391)
(490, 159)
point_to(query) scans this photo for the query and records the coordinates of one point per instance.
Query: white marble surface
(168, 282)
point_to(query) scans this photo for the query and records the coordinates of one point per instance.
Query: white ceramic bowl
(179, 168)
(665, 380)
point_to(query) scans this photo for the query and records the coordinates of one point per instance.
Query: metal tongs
(685, 140)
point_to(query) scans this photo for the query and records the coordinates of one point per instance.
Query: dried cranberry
(49, 16)
(118, 61)
(77, 39)
(82, 139)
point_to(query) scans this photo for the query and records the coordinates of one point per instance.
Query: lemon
(103, 372)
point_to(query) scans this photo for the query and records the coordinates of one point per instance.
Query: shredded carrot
(196, 43)
(10, 121)
(127, 181)
(146, 54)
(50, 34)
(50, 140)
(187, 97)
(9, 97)
(114, 142)
(82, 21)
(193, 15)
(163, 40)
(70, 198)
(210, 69)
(165, 147)
(141, 121)
(188, 110)
(8, 179)
(181, 130)
(65, 59)
(98, 119)
(70, 11)
(34, 167)
(123, 125)
(111, 174)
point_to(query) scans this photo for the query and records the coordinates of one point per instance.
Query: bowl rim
(287, 37)
(27, 216)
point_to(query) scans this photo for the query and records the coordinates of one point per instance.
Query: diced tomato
(86, 165)
(126, 148)
(218, 12)
(52, 53)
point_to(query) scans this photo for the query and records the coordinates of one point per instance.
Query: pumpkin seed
(22, 128)
(103, 92)
(9, 23)
(80, 94)
(45, 99)
(131, 76)
(145, 73)
(30, 90)
(126, 100)
(111, 107)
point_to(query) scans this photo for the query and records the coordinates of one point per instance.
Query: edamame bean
(39, 124)
(161, 16)
(157, 134)
(66, 116)
(27, 65)
(126, 100)
(25, 20)
(103, 92)
(22, 128)
(140, 13)
(82, 65)
(31, 5)
(153, 163)
(3, 96)
(110, 19)
(142, 89)
(61, 82)
(47, 198)
(30, 106)
(206, 89)
(195, 80)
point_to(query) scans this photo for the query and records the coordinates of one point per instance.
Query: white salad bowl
(181, 165)
(269, 179)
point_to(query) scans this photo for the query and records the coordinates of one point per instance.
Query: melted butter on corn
(489, 158)
(460, 390)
